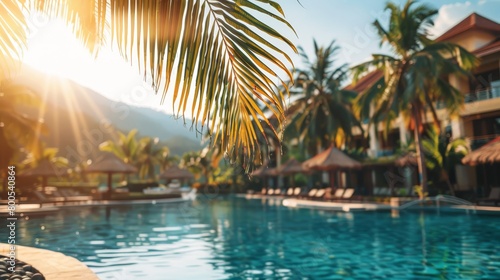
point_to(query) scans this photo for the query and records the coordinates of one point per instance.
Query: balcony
(489, 93)
(486, 94)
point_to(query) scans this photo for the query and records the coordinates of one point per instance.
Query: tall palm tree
(322, 114)
(223, 54)
(415, 74)
(17, 130)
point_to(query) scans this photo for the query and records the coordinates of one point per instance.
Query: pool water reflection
(251, 239)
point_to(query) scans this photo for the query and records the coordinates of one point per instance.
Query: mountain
(79, 119)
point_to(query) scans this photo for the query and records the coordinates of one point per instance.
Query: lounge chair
(263, 191)
(277, 192)
(319, 194)
(73, 196)
(348, 193)
(270, 192)
(289, 192)
(493, 197)
(338, 194)
(312, 193)
(297, 191)
(42, 198)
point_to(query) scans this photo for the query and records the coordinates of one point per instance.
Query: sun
(52, 49)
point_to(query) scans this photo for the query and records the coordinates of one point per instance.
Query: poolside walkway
(47, 208)
(53, 265)
(349, 206)
(334, 206)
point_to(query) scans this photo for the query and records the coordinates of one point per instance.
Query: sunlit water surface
(254, 239)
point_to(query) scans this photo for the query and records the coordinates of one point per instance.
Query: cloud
(449, 15)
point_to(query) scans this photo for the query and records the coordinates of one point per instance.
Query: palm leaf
(213, 59)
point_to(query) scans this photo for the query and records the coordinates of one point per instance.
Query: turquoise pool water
(254, 239)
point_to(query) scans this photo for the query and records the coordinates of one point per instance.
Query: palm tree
(442, 155)
(46, 153)
(147, 157)
(17, 130)
(165, 159)
(223, 54)
(415, 75)
(322, 114)
(126, 148)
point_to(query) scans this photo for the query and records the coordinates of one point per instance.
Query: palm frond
(213, 59)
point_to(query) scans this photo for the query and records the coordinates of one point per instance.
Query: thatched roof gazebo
(331, 159)
(109, 163)
(175, 172)
(44, 169)
(489, 153)
(290, 168)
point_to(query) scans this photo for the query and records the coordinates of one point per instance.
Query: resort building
(479, 119)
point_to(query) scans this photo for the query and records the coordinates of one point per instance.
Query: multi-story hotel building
(479, 119)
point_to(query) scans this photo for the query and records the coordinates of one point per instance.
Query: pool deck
(53, 265)
(350, 206)
(47, 208)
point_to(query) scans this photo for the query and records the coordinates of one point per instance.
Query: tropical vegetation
(322, 113)
(414, 74)
(17, 130)
(214, 59)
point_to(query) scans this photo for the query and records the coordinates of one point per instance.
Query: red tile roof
(474, 21)
(365, 82)
(490, 48)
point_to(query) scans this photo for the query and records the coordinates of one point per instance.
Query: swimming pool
(254, 239)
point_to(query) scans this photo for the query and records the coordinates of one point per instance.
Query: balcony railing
(489, 93)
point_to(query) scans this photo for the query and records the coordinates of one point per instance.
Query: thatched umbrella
(175, 172)
(291, 167)
(109, 163)
(265, 172)
(44, 169)
(489, 153)
(331, 159)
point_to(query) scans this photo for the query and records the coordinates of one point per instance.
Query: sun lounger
(72, 196)
(263, 191)
(319, 194)
(277, 192)
(494, 196)
(270, 192)
(297, 191)
(348, 193)
(289, 192)
(42, 198)
(338, 193)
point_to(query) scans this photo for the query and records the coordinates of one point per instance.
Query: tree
(46, 153)
(126, 148)
(17, 130)
(322, 114)
(442, 155)
(415, 75)
(147, 157)
(212, 58)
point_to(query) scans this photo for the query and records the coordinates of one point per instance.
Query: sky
(52, 48)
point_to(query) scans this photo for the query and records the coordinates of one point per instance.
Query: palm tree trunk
(452, 191)
(422, 170)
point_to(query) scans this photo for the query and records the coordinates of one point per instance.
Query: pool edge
(53, 265)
